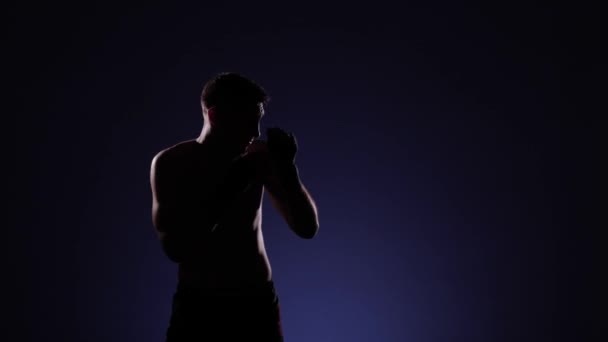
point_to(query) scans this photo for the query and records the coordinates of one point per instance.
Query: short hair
(230, 88)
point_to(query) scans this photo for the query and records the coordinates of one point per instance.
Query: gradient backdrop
(429, 135)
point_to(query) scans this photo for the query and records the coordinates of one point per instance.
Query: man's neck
(216, 146)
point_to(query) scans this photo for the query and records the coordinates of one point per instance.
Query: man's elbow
(307, 231)
(308, 235)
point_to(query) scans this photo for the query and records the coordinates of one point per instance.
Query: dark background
(435, 139)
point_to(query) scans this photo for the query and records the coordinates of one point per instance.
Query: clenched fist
(282, 146)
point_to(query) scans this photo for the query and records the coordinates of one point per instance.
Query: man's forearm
(301, 209)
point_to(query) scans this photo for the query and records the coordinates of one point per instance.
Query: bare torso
(236, 256)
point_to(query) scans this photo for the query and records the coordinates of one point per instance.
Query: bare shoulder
(171, 159)
(173, 154)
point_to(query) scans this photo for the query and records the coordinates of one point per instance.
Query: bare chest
(243, 214)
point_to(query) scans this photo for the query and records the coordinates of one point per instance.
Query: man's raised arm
(287, 193)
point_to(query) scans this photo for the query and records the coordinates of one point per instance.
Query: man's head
(233, 106)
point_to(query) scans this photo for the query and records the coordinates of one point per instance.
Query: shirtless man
(207, 195)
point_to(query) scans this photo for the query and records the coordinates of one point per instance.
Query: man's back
(232, 256)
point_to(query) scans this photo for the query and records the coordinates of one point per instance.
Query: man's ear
(212, 115)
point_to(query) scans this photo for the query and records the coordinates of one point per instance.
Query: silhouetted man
(207, 196)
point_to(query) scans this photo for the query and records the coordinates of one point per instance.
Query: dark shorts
(253, 315)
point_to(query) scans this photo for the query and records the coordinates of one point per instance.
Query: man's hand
(282, 146)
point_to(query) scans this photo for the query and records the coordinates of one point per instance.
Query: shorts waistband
(250, 290)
